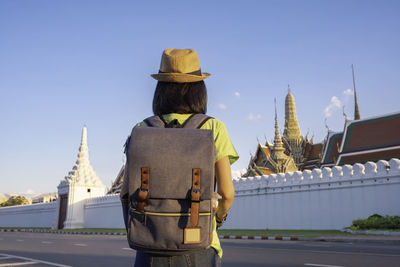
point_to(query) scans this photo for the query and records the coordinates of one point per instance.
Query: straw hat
(180, 66)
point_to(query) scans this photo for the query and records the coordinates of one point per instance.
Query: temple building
(278, 158)
(370, 139)
(362, 140)
(45, 198)
(290, 153)
(79, 184)
(116, 185)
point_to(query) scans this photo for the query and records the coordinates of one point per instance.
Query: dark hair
(182, 98)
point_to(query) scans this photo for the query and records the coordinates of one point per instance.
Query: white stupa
(82, 173)
(81, 183)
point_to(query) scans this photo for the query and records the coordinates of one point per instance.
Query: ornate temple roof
(117, 184)
(262, 152)
(332, 148)
(371, 139)
(266, 151)
(82, 173)
(286, 152)
(315, 152)
(312, 156)
(263, 170)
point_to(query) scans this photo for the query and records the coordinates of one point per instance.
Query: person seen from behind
(168, 216)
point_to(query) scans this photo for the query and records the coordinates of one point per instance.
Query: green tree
(15, 201)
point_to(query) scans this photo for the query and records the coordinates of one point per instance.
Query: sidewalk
(372, 237)
(360, 239)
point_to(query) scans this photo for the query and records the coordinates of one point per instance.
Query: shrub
(15, 201)
(377, 221)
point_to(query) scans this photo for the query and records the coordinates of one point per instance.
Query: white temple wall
(98, 212)
(320, 199)
(104, 212)
(77, 197)
(36, 215)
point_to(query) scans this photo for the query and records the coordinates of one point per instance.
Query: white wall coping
(39, 207)
(103, 201)
(358, 174)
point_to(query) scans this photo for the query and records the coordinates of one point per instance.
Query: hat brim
(179, 77)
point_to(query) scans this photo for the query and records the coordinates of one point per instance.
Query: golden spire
(356, 110)
(278, 145)
(291, 130)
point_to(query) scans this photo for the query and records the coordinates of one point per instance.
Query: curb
(59, 232)
(237, 237)
(314, 239)
(352, 240)
(373, 232)
(283, 238)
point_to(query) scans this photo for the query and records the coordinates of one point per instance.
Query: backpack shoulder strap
(155, 121)
(195, 121)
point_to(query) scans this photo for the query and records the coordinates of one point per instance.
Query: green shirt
(224, 148)
(222, 141)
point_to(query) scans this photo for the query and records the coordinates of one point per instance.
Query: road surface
(42, 249)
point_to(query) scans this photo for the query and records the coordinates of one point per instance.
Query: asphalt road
(40, 249)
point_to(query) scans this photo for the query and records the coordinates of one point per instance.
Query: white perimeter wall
(99, 212)
(319, 199)
(104, 212)
(36, 215)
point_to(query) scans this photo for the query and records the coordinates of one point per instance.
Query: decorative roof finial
(326, 125)
(288, 88)
(356, 110)
(344, 114)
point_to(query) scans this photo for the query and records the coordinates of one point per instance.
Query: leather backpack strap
(195, 121)
(155, 121)
(195, 198)
(144, 189)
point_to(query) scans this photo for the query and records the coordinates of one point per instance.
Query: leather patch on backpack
(192, 235)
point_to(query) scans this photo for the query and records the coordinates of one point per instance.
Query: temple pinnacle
(83, 155)
(357, 115)
(276, 123)
(84, 136)
(291, 129)
(278, 145)
(82, 173)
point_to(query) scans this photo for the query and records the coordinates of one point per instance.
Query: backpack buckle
(144, 189)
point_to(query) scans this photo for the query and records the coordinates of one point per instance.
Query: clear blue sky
(64, 64)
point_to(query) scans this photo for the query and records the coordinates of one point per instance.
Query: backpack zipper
(169, 214)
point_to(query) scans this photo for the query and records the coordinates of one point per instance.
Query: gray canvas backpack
(170, 169)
